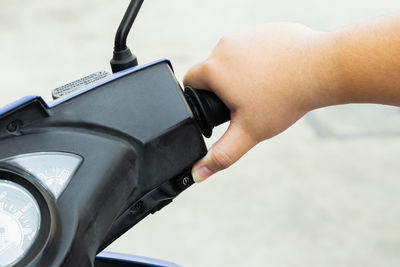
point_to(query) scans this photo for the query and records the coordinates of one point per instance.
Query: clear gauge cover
(53, 170)
(19, 222)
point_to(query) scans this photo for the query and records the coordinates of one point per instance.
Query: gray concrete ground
(324, 193)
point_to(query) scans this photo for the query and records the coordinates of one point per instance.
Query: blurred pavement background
(324, 193)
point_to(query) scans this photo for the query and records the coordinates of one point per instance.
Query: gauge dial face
(19, 222)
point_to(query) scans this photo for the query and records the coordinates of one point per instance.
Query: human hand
(269, 77)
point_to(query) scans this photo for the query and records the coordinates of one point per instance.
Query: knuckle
(208, 71)
(207, 68)
(221, 159)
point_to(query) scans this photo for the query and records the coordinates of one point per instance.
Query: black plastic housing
(138, 139)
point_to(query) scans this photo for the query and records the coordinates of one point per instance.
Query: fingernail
(200, 174)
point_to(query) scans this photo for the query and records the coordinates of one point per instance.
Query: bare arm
(368, 62)
(273, 74)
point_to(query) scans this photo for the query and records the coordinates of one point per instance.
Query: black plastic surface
(137, 137)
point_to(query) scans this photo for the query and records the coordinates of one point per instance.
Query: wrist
(326, 89)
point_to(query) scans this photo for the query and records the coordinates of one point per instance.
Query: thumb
(226, 151)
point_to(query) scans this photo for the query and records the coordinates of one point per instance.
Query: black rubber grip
(207, 108)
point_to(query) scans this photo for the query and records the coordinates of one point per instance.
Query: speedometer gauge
(19, 222)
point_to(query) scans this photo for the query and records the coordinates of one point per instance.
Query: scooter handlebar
(209, 110)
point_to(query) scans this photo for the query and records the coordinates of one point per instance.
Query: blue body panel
(11, 107)
(124, 258)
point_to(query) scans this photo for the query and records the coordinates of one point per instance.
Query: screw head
(12, 126)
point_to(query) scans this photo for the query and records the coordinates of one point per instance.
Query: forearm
(366, 62)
